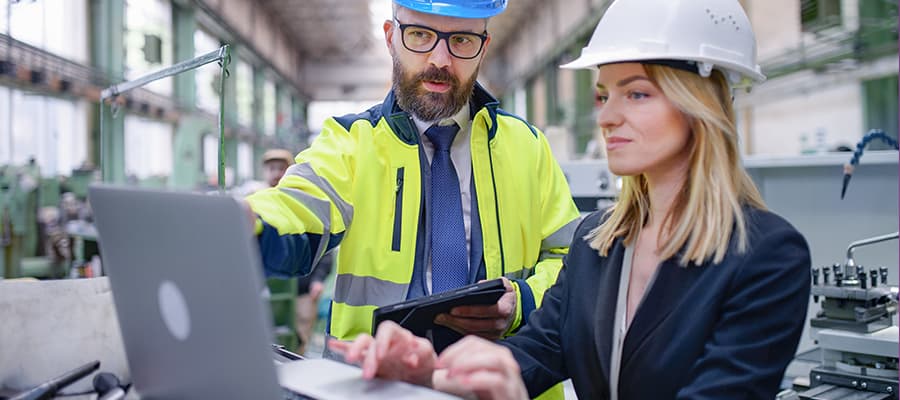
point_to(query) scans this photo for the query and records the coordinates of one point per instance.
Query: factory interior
(199, 96)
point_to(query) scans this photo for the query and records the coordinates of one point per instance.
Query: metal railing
(221, 55)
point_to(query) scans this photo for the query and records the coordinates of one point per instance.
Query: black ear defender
(108, 387)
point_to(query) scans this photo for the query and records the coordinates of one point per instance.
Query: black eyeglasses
(422, 39)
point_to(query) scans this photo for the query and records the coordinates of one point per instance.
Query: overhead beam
(364, 79)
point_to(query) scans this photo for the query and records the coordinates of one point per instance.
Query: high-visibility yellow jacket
(360, 185)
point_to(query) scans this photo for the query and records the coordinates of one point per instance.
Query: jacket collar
(402, 125)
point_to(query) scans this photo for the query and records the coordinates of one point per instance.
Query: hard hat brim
(594, 60)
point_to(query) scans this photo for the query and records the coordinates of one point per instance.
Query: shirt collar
(461, 118)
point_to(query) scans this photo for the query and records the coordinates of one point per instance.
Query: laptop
(188, 285)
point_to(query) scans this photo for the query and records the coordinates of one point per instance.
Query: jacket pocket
(398, 211)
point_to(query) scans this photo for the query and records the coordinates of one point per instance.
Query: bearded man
(435, 188)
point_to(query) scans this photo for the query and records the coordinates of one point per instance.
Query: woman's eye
(602, 98)
(637, 95)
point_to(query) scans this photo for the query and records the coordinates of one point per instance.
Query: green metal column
(281, 129)
(231, 158)
(551, 93)
(188, 143)
(258, 123)
(231, 116)
(183, 27)
(530, 112)
(231, 107)
(188, 147)
(299, 122)
(880, 105)
(584, 110)
(508, 100)
(107, 30)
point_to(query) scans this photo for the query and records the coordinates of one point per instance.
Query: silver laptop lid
(186, 279)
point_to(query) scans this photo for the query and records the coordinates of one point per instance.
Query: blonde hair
(708, 209)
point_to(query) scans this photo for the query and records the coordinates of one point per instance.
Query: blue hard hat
(456, 8)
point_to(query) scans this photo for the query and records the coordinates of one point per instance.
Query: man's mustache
(437, 75)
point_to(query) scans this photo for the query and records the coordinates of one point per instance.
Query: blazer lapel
(605, 306)
(672, 282)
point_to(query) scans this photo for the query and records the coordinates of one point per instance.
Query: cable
(860, 147)
(48, 389)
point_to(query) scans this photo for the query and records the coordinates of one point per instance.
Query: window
(816, 15)
(4, 26)
(206, 78)
(880, 104)
(148, 41)
(244, 92)
(52, 131)
(210, 155)
(6, 146)
(284, 120)
(268, 108)
(58, 26)
(244, 162)
(148, 148)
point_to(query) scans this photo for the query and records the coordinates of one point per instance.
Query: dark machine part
(856, 377)
(857, 307)
(850, 303)
(833, 392)
(855, 311)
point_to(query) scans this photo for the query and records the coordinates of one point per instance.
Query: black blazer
(724, 331)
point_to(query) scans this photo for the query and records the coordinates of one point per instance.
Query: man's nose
(440, 55)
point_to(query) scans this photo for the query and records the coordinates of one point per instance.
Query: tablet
(418, 314)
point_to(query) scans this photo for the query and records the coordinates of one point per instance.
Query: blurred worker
(435, 188)
(275, 163)
(687, 287)
(309, 292)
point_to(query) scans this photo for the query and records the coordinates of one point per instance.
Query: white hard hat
(707, 33)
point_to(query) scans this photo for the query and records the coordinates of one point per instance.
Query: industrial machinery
(855, 331)
(592, 184)
(32, 214)
(18, 216)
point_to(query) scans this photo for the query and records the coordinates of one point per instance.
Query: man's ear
(388, 27)
(484, 48)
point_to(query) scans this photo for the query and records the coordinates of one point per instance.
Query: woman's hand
(482, 368)
(394, 353)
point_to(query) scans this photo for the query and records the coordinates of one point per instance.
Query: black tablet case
(418, 314)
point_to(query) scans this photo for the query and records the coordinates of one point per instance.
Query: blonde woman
(688, 287)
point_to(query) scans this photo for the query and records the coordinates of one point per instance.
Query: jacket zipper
(497, 210)
(398, 210)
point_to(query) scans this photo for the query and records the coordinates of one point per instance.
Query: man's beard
(430, 106)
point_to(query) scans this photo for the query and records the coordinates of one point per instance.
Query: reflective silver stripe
(322, 210)
(306, 171)
(562, 237)
(546, 255)
(367, 291)
(520, 274)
